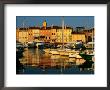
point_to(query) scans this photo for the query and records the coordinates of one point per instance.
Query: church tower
(44, 24)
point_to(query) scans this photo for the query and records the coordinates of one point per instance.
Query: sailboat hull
(86, 56)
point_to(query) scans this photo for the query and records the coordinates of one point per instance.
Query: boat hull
(86, 56)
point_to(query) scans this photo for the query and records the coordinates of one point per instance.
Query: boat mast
(23, 24)
(92, 39)
(63, 32)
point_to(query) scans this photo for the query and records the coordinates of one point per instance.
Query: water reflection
(36, 61)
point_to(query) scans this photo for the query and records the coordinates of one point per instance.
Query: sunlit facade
(78, 37)
(53, 34)
(22, 35)
(64, 35)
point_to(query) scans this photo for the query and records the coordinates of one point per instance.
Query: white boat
(71, 60)
(62, 52)
(79, 60)
(72, 55)
(54, 52)
(47, 50)
(55, 57)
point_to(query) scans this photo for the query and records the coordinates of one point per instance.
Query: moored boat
(54, 52)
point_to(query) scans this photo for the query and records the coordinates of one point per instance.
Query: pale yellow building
(17, 34)
(35, 31)
(78, 37)
(54, 34)
(25, 35)
(64, 35)
(22, 35)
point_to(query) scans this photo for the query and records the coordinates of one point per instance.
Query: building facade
(64, 35)
(78, 37)
(45, 34)
(22, 35)
(53, 34)
(89, 34)
(35, 33)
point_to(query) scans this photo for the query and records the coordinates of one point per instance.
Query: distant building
(79, 29)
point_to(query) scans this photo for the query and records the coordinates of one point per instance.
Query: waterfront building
(45, 34)
(17, 34)
(22, 35)
(54, 34)
(90, 33)
(30, 35)
(64, 35)
(35, 33)
(78, 36)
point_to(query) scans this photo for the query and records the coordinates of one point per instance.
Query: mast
(23, 24)
(63, 32)
(92, 39)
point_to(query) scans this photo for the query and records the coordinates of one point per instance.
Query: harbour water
(37, 61)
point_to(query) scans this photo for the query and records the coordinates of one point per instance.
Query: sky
(72, 21)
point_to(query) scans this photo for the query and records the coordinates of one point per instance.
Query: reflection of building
(78, 37)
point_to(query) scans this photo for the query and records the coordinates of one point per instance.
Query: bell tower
(44, 24)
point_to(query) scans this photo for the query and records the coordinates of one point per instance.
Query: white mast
(23, 23)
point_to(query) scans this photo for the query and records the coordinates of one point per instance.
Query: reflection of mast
(38, 59)
(61, 66)
(63, 32)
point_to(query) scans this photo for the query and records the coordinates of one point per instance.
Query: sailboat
(87, 55)
(62, 51)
